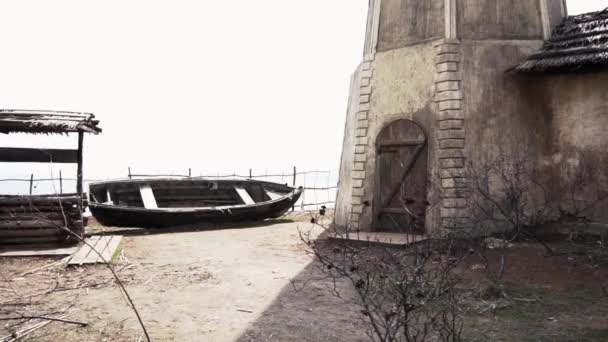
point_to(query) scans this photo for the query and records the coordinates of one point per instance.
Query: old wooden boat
(156, 203)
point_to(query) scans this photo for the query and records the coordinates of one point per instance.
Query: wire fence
(320, 186)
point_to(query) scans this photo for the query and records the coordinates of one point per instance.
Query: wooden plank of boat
(109, 201)
(147, 196)
(244, 194)
(273, 194)
(105, 245)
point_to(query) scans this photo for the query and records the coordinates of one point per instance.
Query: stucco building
(447, 82)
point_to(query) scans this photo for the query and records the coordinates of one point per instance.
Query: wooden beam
(244, 194)
(25, 216)
(37, 200)
(273, 195)
(36, 155)
(79, 171)
(545, 19)
(32, 224)
(395, 211)
(401, 143)
(147, 196)
(451, 20)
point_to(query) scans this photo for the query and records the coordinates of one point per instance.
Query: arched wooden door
(401, 196)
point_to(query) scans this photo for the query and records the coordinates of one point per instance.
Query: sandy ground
(206, 286)
(237, 284)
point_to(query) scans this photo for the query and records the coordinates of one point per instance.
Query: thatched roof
(579, 42)
(46, 122)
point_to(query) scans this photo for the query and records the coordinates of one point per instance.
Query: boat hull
(125, 216)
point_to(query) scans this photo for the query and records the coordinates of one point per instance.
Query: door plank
(402, 176)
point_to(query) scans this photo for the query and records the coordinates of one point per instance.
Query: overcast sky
(218, 86)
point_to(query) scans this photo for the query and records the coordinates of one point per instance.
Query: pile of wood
(39, 219)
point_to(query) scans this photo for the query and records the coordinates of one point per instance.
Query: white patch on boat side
(244, 194)
(273, 195)
(109, 197)
(147, 196)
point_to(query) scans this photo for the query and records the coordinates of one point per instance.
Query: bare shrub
(406, 293)
(581, 193)
(508, 200)
(507, 203)
(507, 196)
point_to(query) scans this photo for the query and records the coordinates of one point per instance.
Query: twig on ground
(54, 319)
(105, 262)
(57, 263)
(28, 330)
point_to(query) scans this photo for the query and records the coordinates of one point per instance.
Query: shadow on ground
(553, 299)
(306, 310)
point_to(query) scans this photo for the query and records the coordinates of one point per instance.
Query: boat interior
(188, 193)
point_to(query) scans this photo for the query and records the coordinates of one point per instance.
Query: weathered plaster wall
(403, 82)
(502, 110)
(504, 113)
(400, 87)
(404, 22)
(579, 139)
(499, 19)
(403, 89)
(558, 122)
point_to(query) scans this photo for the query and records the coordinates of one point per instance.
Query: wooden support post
(79, 171)
(31, 183)
(60, 182)
(130, 172)
(250, 174)
(189, 172)
(294, 185)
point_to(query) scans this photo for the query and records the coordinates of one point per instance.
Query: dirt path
(247, 269)
(235, 285)
(219, 285)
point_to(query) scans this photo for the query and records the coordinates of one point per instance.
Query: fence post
(250, 174)
(60, 183)
(130, 172)
(31, 183)
(190, 172)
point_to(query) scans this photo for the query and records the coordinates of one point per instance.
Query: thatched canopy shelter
(579, 42)
(29, 219)
(45, 122)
